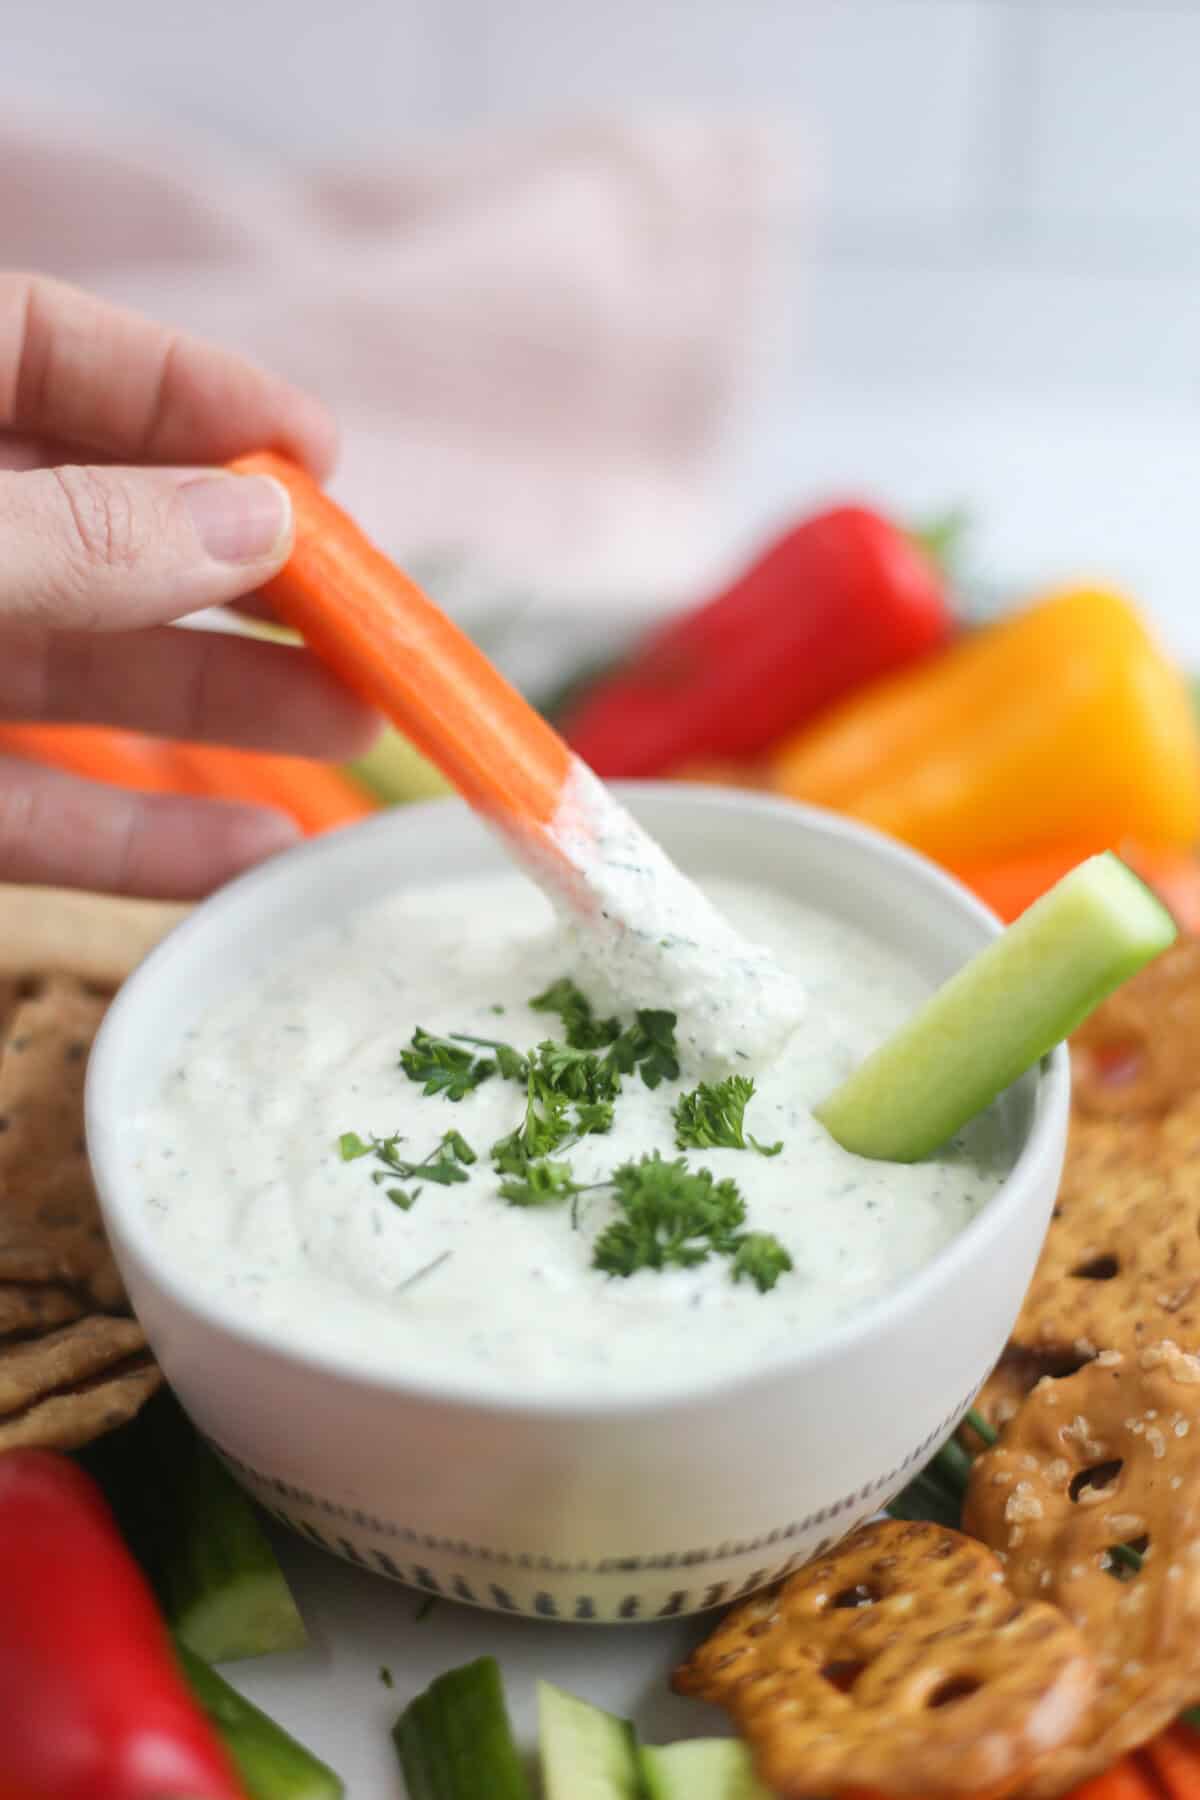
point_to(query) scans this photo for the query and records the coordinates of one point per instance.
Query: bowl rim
(1043, 1144)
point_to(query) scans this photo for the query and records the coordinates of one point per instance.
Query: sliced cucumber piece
(587, 1754)
(705, 1769)
(454, 1741)
(272, 1765)
(1000, 1014)
(221, 1586)
(198, 1537)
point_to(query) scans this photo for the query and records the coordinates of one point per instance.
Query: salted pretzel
(1135, 1055)
(1092, 1499)
(901, 1661)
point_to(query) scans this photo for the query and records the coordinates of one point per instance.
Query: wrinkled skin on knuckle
(104, 530)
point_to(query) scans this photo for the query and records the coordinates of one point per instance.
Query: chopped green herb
(671, 1216)
(511, 1064)
(425, 1269)
(497, 1008)
(442, 1067)
(426, 1607)
(766, 1149)
(458, 1146)
(442, 1165)
(593, 1116)
(543, 1184)
(649, 1045)
(385, 1675)
(712, 1115)
(580, 1074)
(584, 1030)
(544, 1127)
(761, 1258)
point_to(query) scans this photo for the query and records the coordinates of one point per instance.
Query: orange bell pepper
(1011, 884)
(1063, 722)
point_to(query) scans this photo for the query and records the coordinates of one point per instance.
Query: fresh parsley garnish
(579, 1074)
(542, 1184)
(761, 1258)
(593, 1116)
(444, 1164)
(667, 1215)
(712, 1116)
(649, 1046)
(671, 1216)
(511, 1064)
(544, 1127)
(584, 1030)
(443, 1067)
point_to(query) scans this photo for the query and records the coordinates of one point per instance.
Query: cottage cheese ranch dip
(280, 1160)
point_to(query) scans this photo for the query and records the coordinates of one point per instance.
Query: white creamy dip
(650, 932)
(244, 1184)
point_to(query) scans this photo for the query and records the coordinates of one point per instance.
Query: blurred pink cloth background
(538, 341)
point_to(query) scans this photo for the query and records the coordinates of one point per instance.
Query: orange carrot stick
(317, 795)
(1173, 1760)
(122, 758)
(374, 626)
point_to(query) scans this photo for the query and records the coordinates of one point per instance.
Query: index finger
(79, 371)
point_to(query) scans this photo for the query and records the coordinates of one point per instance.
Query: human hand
(113, 523)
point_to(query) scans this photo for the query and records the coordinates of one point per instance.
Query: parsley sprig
(673, 1216)
(445, 1164)
(648, 1045)
(712, 1116)
(442, 1067)
(584, 1031)
(667, 1214)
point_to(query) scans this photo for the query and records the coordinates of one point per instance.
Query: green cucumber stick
(455, 1742)
(270, 1764)
(218, 1579)
(199, 1536)
(701, 1769)
(587, 1753)
(1023, 994)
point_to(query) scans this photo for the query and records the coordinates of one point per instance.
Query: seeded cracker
(71, 1368)
(49, 1223)
(1104, 1458)
(900, 1662)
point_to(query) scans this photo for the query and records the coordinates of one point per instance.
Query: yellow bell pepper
(1063, 721)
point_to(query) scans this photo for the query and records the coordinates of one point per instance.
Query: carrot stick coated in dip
(639, 925)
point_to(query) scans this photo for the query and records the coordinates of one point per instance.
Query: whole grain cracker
(68, 1358)
(1120, 1266)
(99, 938)
(50, 1229)
(68, 1421)
(1107, 1457)
(27, 1307)
(902, 1662)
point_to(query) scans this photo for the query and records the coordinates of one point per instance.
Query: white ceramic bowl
(596, 1510)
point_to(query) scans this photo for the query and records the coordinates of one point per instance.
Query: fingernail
(239, 518)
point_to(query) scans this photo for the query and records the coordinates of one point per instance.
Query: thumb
(113, 549)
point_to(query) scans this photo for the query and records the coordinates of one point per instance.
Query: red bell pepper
(92, 1703)
(841, 599)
